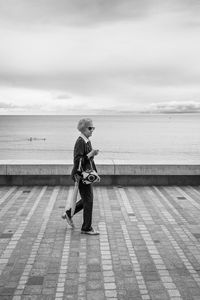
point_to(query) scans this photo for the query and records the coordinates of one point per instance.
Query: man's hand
(93, 153)
(96, 152)
(77, 177)
(98, 179)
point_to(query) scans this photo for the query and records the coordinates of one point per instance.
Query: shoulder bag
(88, 176)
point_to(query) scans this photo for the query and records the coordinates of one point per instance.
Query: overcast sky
(76, 56)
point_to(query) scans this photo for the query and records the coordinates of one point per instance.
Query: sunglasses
(91, 128)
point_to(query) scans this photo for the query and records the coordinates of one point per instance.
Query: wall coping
(105, 167)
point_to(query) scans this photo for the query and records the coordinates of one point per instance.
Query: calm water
(142, 138)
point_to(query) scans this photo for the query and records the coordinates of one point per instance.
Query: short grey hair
(83, 123)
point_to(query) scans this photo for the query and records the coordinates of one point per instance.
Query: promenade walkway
(148, 247)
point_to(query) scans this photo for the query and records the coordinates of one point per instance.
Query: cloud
(7, 105)
(62, 97)
(26, 100)
(16, 107)
(175, 107)
(148, 51)
(98, 54)
(76, 12)
(89, 12)
(14, 100)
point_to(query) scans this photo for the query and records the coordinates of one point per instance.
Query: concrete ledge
(106, 180)
(41, 167)
(105, 167)
(3, 169)
(112, 172)
(128, 168)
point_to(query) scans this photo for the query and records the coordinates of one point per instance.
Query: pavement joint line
(197, 193)
(105, 266)
(8, 193)
(195, 248)
(185, 249)
(106, 205)
(65, 255)
(17, 235)
(82, 268)
(110, 290)
(36, 245)
(121, 204)
(161, 209)
(181, 254)
(125, 201)
(175, 211)
(195, 204)
(183, 232)
(63, 265)
(26, 201)
(147, 237)
(10, 203)
(139, 277)
(146, 217)
(168, 204)
(99, 199)
(164, 279)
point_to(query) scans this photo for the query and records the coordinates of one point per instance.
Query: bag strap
(79, 166)
(91, 164)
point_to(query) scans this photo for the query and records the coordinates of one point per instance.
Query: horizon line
(102, 114)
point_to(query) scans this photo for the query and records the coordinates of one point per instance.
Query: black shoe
(68, 218)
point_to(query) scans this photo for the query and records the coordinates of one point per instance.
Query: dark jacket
(81, 149)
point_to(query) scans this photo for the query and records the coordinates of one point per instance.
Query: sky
(99, 56)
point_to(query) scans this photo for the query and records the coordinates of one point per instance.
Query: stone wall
(112, 172)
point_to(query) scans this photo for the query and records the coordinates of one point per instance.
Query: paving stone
(152, 285)
(159, 295)
(49, 283)
(6, 235)
(95, 295)
(33, 290)
(173, 293)
(133, 294)
(72, 276)
(35, 280)
(7, 291)
(30, 297)
(93, 268)
(110, 293)
(157, 255)
(70, 297)
(48, 291)
(72, 289)
(94, 275)
(109, 279)
(197, 235)
(94, 285)
(151, 276)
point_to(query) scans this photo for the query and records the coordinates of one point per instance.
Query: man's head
(85, 126)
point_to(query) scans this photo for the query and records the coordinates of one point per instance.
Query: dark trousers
(85, 203)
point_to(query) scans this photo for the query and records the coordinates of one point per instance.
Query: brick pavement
(148, 248)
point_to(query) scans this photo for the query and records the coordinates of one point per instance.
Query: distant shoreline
(107, 114)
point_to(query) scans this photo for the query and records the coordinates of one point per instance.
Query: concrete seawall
(112, 172)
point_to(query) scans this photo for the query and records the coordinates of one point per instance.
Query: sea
(140, 138)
